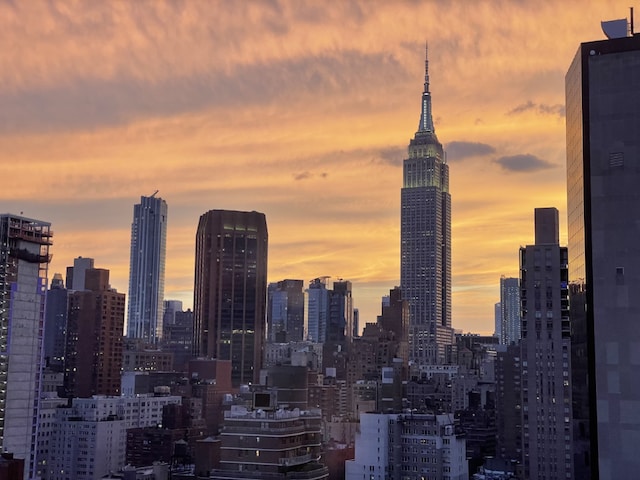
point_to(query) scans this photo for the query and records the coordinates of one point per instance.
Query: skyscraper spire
(426, 122)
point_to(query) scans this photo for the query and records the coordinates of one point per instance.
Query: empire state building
(425, 235)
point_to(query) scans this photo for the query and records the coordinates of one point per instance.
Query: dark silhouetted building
(230, 290)
(546, 353)
(509, 404)
(178, 339)
(603, 114)
(55, 325)
(93, 357)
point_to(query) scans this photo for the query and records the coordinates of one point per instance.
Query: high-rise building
(509, 310)
(603, 114)
(93, 356)
(317, 309)
(546, 353)
(425, 240)
(285, 315)
(230, 290)
(55, 325)
(24, 258)
(170, 308)
(146, 269)
(340, 320)
(497, 317)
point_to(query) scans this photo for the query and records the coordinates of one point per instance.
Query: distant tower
(425, 247)
(24, 259)
(146, 269)
(317, 309)
(509, 310)
(546, 353)
(230, 290)
(55, 325)
(75, 274)
(497, 318)
(285, 317)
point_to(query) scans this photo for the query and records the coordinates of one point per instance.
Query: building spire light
(426, 120)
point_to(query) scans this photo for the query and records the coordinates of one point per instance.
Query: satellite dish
(615, 28)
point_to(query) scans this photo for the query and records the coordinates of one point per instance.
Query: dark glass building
(425, 241)
(230, 290)
(603, 174)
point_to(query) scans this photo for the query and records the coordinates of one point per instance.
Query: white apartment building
(89, 438)
(408, 446)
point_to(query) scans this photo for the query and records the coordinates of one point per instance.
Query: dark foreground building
(230, 290)
(603, 174)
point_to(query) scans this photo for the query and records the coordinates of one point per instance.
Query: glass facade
(146, 269)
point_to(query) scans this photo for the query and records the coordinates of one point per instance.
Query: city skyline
(309, 106)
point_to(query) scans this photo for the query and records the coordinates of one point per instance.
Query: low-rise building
(408, 446)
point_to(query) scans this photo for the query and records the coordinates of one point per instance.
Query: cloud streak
(523, 163)
(556, 110)
(460, 150)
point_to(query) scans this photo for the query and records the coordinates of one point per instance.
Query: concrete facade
(24, 257)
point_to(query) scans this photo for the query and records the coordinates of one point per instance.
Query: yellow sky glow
(301, 110)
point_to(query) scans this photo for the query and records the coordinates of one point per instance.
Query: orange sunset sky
(299, 109)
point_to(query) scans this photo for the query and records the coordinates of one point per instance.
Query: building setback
(425, 241)
(546, 353)
(230, 290)
(24, 258)
(146, 269)
(603, 173)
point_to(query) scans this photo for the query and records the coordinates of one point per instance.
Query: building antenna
(154, 193)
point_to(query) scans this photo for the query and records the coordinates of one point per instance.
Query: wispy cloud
(523, 163)
(307, 175)
(460, 150)
(556, 110)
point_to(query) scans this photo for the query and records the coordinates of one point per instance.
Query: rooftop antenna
(154, 193)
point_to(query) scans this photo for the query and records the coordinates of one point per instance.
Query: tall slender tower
(230, 290)
(24, 258)
(146, 269)
(425, 247)
(545, 353)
